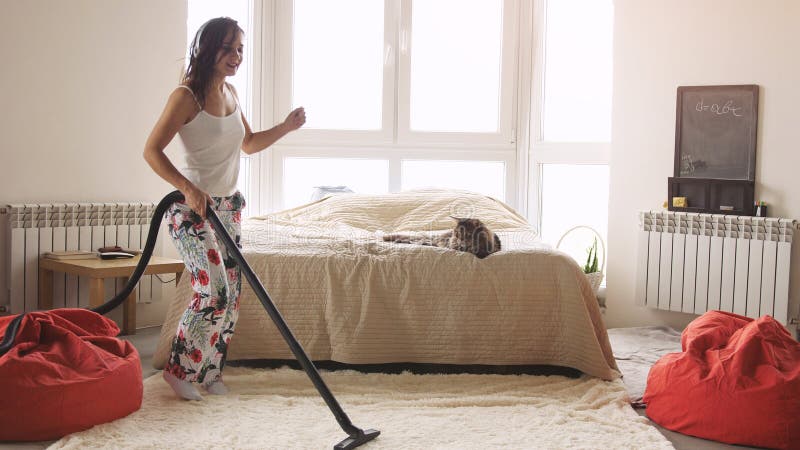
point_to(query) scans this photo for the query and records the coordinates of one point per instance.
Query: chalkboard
(715, 132)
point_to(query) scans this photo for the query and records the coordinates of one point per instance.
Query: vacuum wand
(357, 436)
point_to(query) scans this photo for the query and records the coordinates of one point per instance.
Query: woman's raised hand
(295, 119)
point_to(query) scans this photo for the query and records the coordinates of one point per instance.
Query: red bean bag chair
(737, 381)
(66, 372)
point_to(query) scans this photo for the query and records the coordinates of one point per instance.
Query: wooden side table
(97, 270)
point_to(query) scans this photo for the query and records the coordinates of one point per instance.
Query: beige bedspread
(352, 298)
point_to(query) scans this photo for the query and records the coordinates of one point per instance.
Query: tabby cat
(469, 235)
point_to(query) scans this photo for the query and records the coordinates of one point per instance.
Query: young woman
(204, 112)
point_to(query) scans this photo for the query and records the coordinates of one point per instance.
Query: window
(349, 61)
(380, 81)
(296, 172)
(302, 175)
(574, 194)
(570, 150)
(457, 86)
(444, 67)
(577, 71)
(487, 177)
(337, 71)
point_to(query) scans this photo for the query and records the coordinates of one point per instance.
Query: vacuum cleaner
(355, 436)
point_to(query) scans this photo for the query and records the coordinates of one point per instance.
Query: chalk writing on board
(727, 108)
(716, 132)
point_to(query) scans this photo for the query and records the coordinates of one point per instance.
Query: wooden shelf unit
(708, 195)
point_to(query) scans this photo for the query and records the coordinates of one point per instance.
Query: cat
(469, 235)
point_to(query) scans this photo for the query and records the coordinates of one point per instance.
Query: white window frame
(395, 156)
(284, 18)
(543, 152)
(504, 137)
(258, 53)
(396, 82)
(262, 86)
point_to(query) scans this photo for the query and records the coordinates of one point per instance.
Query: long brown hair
(203, 54)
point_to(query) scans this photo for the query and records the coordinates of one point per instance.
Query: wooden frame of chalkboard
(715, 132)
(714, 196)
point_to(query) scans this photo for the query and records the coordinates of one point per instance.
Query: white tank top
(212, 145)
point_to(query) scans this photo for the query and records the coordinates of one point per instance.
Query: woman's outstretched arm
(255, 142)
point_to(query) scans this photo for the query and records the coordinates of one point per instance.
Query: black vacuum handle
(288, 336)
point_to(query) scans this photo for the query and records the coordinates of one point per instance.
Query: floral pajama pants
(201, 342)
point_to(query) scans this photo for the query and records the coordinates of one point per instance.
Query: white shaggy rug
(280, 409)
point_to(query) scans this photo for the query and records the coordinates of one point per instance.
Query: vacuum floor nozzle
(359, 439)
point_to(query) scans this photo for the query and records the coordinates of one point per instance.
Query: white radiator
(694, 263)
(28, 230)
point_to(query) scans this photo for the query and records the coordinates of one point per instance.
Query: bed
(352, 298)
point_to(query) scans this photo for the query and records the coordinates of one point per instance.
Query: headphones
(197, 37)
(195, 47)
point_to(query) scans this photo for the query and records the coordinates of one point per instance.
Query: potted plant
(591, 270)
(595, 260)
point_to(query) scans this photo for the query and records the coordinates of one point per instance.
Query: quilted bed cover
(350, 297)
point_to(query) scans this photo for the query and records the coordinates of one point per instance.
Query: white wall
(83, 82)
(660, 45)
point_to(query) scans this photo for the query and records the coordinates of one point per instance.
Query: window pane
(302, 175)
(337, 72)
(577, 78)
(485, 177)
(573, 195)
(455, 74)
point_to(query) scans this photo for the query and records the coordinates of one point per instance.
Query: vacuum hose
(356, 436)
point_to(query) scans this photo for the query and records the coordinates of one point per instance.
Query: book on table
(116, 255)
(117, 252)
(70, 254)
(118, 249)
